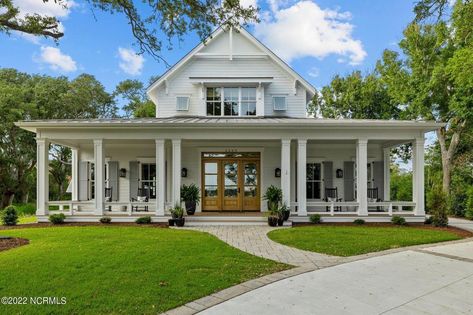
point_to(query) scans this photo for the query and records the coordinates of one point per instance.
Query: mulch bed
(457, 231)
(10, 243)
(68, 224)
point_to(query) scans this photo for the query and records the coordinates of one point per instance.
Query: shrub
(397, 220)
(26, 209)
(9, 216)
(457, 203)
(437, 204)
(359, 221)
(273, 195)
(428, 220)
(143, 220)
(190, 193)
(315, 219)
(177, 212)
(57, 218)
(105, 220)
(469, 204)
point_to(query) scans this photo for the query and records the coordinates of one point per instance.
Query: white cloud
(303, 29)
(57, 60)
(247, 3)
(50, 8)
(131, 63)
(314, 72)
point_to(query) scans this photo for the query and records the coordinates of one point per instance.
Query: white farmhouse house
(230, 118)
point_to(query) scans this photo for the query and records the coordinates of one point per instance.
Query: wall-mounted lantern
(277, 172)
(339, 173)
(184, 172)
(123, 172)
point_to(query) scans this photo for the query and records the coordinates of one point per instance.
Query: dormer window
(182, 103)
(231, 101)
(279, 103)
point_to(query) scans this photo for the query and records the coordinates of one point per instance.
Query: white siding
(179, 84)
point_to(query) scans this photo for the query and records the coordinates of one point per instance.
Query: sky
(319, 39)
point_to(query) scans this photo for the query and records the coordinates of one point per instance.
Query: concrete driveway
(435, 280)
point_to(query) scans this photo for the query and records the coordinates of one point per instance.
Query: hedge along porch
(116, 160)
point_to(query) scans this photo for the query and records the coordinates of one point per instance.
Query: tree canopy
(153, 23)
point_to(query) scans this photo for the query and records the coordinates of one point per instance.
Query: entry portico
(249, 155)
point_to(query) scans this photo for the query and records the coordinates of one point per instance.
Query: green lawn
(120, 270)
(356, 240)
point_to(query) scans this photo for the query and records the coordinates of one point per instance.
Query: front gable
(230, 59)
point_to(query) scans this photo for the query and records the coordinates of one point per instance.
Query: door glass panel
(230, 179)
(211, 168)
(211, 180)
(250, 174)
(211, 191)
(250, 191)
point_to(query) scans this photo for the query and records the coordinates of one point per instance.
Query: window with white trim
(182, 103)
(279, 103)
(231, 101)
(148, 178)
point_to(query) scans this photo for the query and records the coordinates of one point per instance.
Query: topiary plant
(143, 220)
(398, 220)
(437, 204)
(359, 221)
(315, 219)
(57, 218)
(105, 220)
(9, 216)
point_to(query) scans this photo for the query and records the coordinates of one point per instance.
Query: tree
(355, 96)
(137, 102)
(434, 81)
(27, 97)
(170, 18)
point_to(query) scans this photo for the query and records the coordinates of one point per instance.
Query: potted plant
(190, 194)
(286, 212)
(178, 215)
(274, 196)
(273, 217)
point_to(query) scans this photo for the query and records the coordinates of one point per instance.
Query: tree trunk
(7, 199)
(447, 153)
(24, 197)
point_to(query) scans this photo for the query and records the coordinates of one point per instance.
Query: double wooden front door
(230, 184)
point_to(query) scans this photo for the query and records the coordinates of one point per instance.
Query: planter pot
(180, 221)
(286, 215)
(190, 207)
(272, 221)
(171, 222)
(280, 222)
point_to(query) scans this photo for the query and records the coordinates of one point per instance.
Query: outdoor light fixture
(123, 172)
(277, 172)
(339, 173)
(184, 172)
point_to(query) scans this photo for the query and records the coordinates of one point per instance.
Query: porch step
(228, 220)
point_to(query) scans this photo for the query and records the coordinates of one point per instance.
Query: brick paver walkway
(253, 240)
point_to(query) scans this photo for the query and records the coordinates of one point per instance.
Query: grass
(27, 219)
(121, 270)
(356, 240)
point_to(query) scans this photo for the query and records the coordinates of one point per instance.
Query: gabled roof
(309, 88)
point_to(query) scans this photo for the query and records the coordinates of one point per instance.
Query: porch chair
(331, 194)
(373, 197)
(142, 196)
(108, 197)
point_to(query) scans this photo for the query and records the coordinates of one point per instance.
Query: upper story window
(182, 103)
(231, 101)
(279, 103)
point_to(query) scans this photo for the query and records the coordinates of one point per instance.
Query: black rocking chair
(142, 196)
(331, 194)
(373, 196)
(108, 197)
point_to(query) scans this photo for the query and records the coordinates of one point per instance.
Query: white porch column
(362, 176)
(418, 176)
(160, 180)
(286, 171)
(176, 172)
(99, 160)
(301, 177)
(42, 176)
(75, 174)
(387, 174)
